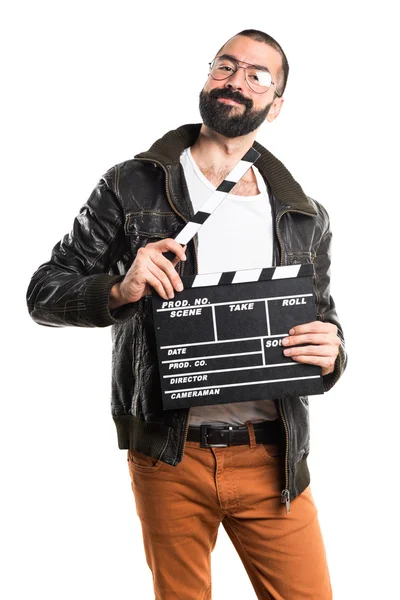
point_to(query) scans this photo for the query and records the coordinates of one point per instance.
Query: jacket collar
(168, 149)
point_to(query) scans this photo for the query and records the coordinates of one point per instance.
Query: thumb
(177, 258)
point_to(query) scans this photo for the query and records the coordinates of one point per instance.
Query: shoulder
(322, 215)
(125, 176)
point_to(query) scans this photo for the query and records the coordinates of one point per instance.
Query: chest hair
(247, 186)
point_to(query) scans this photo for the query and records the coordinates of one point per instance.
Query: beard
(218, 115)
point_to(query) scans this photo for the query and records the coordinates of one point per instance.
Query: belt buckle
(204, 435)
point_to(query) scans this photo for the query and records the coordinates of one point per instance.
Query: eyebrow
(259, 67)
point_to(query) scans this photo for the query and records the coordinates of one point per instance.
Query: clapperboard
(220, 339)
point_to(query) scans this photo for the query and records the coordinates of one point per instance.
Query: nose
(237, 80)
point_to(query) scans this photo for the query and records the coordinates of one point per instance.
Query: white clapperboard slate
(219, 340)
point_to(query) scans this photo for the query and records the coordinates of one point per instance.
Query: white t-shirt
(238, 235)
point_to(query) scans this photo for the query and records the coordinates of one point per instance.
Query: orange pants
(181, 508)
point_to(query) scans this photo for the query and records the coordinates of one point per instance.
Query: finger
(182, 255)
(310, 351)
(155, 283)
(326, 364)
(310, 338)
(177, 259)
(171, 249)
(163, 278)
(166, 266)
(171, 256)
(314, 327)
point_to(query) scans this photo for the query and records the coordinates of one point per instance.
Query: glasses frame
(245, 74)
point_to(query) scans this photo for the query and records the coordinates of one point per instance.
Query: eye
(225, 68)
(261, 78)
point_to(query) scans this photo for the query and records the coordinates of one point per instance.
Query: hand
(322, 345)
(150, 269)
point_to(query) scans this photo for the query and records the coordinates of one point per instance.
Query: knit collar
(168, 149)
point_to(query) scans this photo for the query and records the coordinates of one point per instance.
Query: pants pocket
(271, 452)
(140, 462)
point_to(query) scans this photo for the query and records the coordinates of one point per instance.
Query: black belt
(212, 435)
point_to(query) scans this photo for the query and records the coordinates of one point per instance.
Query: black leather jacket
(143, 200)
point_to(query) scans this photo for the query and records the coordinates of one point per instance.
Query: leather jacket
(143, 200)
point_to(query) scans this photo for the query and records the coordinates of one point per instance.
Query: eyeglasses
(258, 80)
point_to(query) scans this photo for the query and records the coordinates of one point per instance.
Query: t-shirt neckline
(260, 182)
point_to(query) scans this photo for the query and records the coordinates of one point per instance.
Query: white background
(75, 102)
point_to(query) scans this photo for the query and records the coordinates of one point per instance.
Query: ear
(275, 109)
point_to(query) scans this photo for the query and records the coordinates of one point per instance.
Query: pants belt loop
(252, 434)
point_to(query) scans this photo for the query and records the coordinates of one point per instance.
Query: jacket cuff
(97, 299)
(330, 380)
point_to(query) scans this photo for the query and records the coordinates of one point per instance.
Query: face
(230, 107)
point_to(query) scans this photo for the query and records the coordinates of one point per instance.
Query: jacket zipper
(197, 268)
(285, 493)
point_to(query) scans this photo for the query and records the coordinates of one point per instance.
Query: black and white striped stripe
(200, 217)
(248, 275)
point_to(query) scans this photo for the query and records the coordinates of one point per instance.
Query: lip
(229, 101)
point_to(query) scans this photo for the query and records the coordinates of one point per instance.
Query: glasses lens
(259, 81)
(222, 68)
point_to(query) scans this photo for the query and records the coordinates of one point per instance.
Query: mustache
(230, 95)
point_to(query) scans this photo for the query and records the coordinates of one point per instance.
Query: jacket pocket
(300, 258)
(304, 401)
(152, 224)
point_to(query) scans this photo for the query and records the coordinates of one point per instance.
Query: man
(103, 274)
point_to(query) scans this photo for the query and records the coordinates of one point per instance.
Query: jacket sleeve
(326, 309)
(73, 287)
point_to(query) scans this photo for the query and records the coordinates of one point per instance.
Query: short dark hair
(260, 36)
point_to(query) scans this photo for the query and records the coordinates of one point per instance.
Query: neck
(212, 149)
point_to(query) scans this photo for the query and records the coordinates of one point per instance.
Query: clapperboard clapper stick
(192, 227)
(219, 340)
